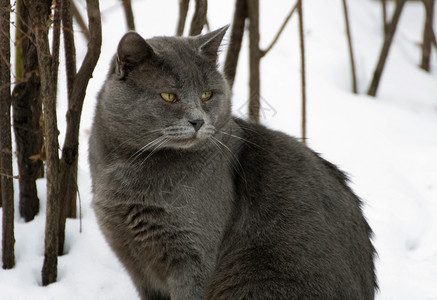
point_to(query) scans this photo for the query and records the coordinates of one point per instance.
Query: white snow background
(387, 144)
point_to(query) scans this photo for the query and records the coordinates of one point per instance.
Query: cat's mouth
(184, 136)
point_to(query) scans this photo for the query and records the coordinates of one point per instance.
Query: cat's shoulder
(268, 147)
(263, 139)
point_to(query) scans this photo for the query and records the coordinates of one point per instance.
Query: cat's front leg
(189, 282)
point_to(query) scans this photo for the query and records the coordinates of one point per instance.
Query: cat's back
(297, 231)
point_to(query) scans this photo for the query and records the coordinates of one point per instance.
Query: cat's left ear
(209, 43)
(131, 52)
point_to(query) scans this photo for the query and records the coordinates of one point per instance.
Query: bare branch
(69, 46)
(39, 10)
(68, 200)
(351, 52)
(302, 55)
(9, 176)
(199, 18)
(6, 185)
(183, 10)
(79, 20)
(254, 60)
(384, 15)
(27, 110)
(127, 6)
(237, 32)
(427, 35)
(70, 149)
(386, 48)
(92, 55)
(434, 39)
(56, 40)
(264, 52)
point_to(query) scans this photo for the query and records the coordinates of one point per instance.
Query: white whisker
(145, 147)
(235, 158)
(240, 138)
(134, 138)
(165, 140)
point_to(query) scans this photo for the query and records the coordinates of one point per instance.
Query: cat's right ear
(132, 50)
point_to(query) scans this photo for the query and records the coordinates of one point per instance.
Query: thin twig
(385, 48)
(351, 52)
(302, 53)
(264, 52)
(427, 35)
(254, 61)
(10, 176)
(384, 15)
(127, 6)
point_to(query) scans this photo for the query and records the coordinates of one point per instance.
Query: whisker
(235, 158)
(144, 148)
(242, 139)
(134, 138)
(165, 140)
(223, 154)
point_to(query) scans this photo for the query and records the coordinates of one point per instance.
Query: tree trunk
(26, 114)
(302, 55)
(237, 32)
(199, 17)
(254, 60)
(39, 10)
(70, 150)
(427, 35)
(351, 52)
(385, 48)
(183, 10)
(70, 61)
(68, 197)
(6, 177)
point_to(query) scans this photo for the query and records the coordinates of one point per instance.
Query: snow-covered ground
(387, 144)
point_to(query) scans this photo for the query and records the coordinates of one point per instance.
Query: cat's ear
(209, 43)
(132, 50)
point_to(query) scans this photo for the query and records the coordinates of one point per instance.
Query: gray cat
(197, 204)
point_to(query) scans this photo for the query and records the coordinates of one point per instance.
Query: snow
(387, 144)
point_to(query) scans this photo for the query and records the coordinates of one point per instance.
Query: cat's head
(165, 90)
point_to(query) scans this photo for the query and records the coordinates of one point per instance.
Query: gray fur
(232, 210)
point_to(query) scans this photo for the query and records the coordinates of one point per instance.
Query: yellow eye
(169, 97)
(206, 96)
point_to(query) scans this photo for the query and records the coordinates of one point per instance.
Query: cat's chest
(174, 182)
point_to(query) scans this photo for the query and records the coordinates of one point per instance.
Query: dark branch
(79, 20)
(183, 10)
(199, 18)
(56, 40)
(70, 149)
(386, 48)
(237, 32)
(302, 55)
(254, 60)
(351, 52)
(6, 185)
(127, 6)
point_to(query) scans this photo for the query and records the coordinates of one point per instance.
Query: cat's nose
(197, 124)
